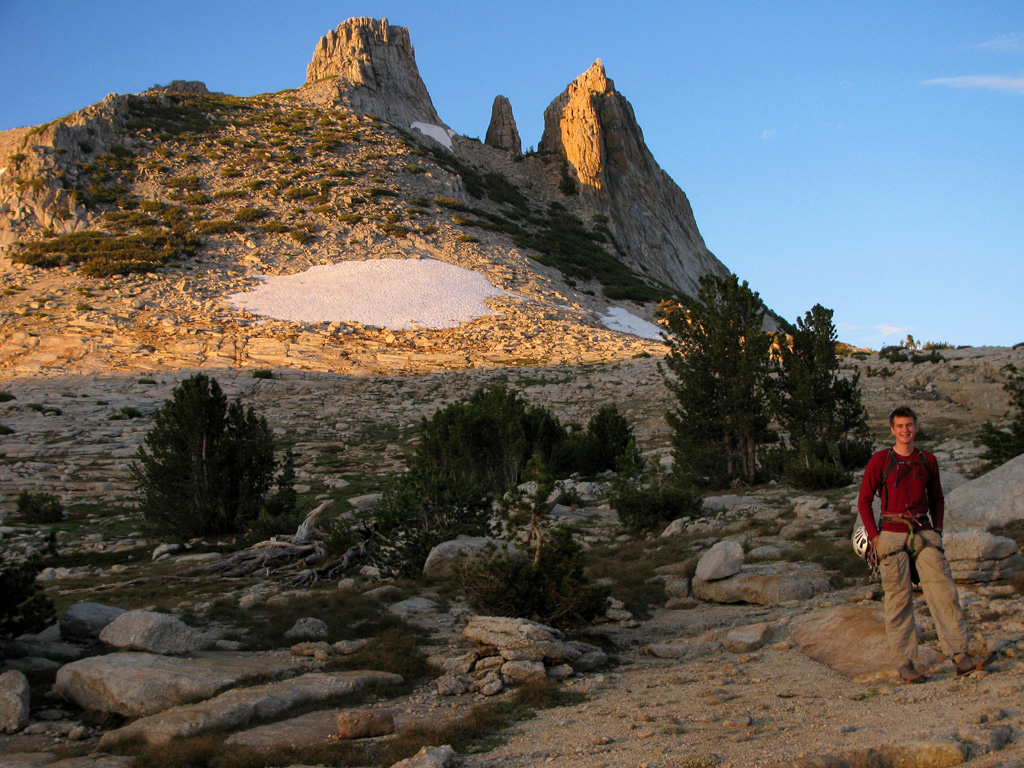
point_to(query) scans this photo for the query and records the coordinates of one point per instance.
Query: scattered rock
(442, 557)
(85, 621)
(308, 628)
(724, 559)
(765, 584)
(748, 638)
(365, 723)
(14, 701)
(150, 632)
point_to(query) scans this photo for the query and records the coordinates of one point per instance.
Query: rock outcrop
(593, 127)
(373, 70)
(502, 132)
(996, 498)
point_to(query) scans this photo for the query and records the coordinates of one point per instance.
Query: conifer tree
(819, 409)
(206, 466)
(719, 364)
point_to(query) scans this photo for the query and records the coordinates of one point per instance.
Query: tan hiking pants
(937, 585)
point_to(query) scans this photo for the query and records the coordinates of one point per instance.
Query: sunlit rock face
(372, 68)
(593, 127)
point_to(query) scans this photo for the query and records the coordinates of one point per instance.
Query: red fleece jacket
(910, 491)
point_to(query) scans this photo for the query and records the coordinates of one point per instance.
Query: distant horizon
(860, 157)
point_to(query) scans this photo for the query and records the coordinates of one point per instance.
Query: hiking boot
(965, 663)
(911, 674)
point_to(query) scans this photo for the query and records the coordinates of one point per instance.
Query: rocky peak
(373, 67)
(592, 126)
(502, 132)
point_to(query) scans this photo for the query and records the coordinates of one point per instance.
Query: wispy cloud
(768, 134)
(981, 82)
(1011, 43)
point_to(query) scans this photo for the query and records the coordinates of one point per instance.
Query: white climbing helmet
(861, 545)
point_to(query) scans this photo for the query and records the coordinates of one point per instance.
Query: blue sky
(867, 156)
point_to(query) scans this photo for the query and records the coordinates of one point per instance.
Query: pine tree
(1001, 445)
(719, 363)
(206, 466)
(819, 409)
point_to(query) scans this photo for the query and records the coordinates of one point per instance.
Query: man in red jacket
(909, 545)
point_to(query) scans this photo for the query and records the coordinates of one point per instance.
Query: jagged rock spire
(374, 68)
(593, 127)
(502, 132)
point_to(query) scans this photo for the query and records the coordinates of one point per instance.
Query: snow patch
(618, 319)
(390, 293)
(438, 133)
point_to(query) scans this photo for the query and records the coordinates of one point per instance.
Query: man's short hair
(903, 411)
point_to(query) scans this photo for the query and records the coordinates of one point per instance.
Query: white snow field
(399, 294)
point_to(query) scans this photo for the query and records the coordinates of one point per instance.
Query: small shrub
(263, 373)
(812, 473)
(220, 227)
(6, 430)
(647, 501)
(6, 397)
(127, 412)
(41, 508)
(551, 589)
(250, 213)
(23, 606)
(301, 236)
(893, 354)
(275, 227)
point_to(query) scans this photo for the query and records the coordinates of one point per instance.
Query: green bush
(552, 589)
(250, 213)
(607, 437)
(893, 354)
(812, 473)
(42, 508)
(206, 467)
(648, 501)
(1001, 445)
(468, 454)
(23, 606)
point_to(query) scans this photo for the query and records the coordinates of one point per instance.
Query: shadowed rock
(241, 707)
(139, 684)
(502, 132)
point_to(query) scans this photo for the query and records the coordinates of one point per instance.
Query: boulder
(519, 639)
(765, 584)
(996, 498)
(442, 557)
(139, 684)
(851, 640)
(14, 701)
(151, 632)
(978, 556)
(748, 638)
(522, 672)
(429, 757)
(721, 561)
(308, 628)
(85, 621)
(365, 723)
